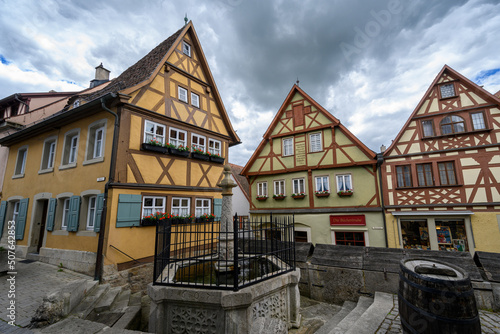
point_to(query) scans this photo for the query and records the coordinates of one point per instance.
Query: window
(322, 184)
(452, 124)
(183, 94)
(344, 182)
(350, 238)
(91, 213)
(279, 187)
(70, 150)
(152, 205)
(478, 121)
(65, 216)
(415, 234)
(447, 90)
(48, 155)
(186, 49)
(447, 173)
(262, 189)
(404, 176)
(198, 142)
(15, 212)
(177, 137)
(195, 100)
(154, 131)
(315, 142)
(214, 147)
(424, 174)
(298, 186)
(287, 146)
(22, 155)
(202, 207)
(180, 206)
(428, 128)
(96, 138)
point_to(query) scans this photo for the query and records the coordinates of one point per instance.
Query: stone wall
(135, 278)
(79, 261)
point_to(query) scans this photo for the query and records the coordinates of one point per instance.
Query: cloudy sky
(367, 62)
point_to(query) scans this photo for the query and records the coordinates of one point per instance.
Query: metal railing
(197, 254)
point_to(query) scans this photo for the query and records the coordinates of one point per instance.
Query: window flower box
(181, 151)
(149, 221)
(322, 193)
(216, 159)
(154, 148)
(200, 156)
(279, 197)
(345, 193)
(298, 196)
(261, 198)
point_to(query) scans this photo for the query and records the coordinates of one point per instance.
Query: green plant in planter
(155, 142)
(200, 151)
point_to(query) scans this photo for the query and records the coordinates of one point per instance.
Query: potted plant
(299, 195)
(214, 157)
(181, 150)
(155, 146)
(261, 198)
(345, 193)
(207, 217)
(200, 154)
(324, 193)
(279, 197)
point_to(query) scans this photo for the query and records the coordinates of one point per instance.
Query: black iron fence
(197, 253)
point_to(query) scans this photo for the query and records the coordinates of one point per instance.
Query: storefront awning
(432, 213)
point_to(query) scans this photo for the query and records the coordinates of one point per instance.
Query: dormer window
(186, 49)
(447, 90)
(452, 124)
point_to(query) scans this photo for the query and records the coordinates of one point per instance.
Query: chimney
(101, 76)
(382, 148)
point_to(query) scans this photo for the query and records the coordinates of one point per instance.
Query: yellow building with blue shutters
(154, 139)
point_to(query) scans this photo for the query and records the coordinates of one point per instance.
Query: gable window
(195, 100)
(478, 121)
(315, 142)
(447, 173)
(70, 149)
(183, 94)
(298, 186)
(452, 124)
(177, 137)
(404, 176)
(22, 155)
(152, 205)
(202, 207)
(447, 90)
(424, 174)
(180, 206)
(279, 187)
(198, 142)
(287, 146)
(154, 131)
(186, 49)
(214, 147)
(262, 189)
(322, 183)
(344, 182)
(428, 128)
(91, 213)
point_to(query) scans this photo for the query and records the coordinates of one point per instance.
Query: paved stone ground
(33, 281)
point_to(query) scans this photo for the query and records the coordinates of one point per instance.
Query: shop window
(350, 238)
(447, 173)
(424, 173)
(451, 235)
(415, 234)
(404, 176)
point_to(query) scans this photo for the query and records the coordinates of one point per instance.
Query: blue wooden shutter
(51, 214)
(21, 218)
(3, 211)
(217, 208)
(74, 213)
(98, 213)
(129, 210)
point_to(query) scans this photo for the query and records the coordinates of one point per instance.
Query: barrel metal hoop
(407, 326)
(437, 317)
(464, 281)
(436, 291)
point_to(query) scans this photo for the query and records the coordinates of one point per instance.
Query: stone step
(121, 302)
(371, 319)
(347, 307)
(353, 316)
(131, 318)
(107, 299)
(88, 303)
(135, 299)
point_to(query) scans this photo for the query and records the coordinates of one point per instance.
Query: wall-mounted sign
(357, 220)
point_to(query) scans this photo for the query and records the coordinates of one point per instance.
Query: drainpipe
(380, 161)
(100, 244)
(16, 96)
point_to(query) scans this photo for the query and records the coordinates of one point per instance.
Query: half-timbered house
(441, 174)
(154, 139)
(310, 165)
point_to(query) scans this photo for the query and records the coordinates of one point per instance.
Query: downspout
(100, 244)
(16, 96)
(380, 161)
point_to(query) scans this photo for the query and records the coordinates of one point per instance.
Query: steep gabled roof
(446, 69)
(240, 180)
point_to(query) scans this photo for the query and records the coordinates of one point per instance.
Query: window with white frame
(322, 183)
(299, 186)
(15, 212)
(154, 132)
(315, 142)
(91, 212)
(287, 146)
(183, 94)
(262, 189)
(198, 142)
(65, 216)
(22, 155)
(344, 182)
(279, 187)
(180, 206)
(202, 207)
(195, 100)
(177, 137)
(95, 141)
(48, 154)
(214, 147)
(152, 205)
(186, 49)
(70, 149)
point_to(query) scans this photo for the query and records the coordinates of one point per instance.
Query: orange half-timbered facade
(441, 175)
(311, 165)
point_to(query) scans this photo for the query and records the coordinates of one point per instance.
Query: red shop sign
(358, 220)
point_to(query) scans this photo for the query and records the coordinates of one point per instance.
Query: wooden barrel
(436, 297)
